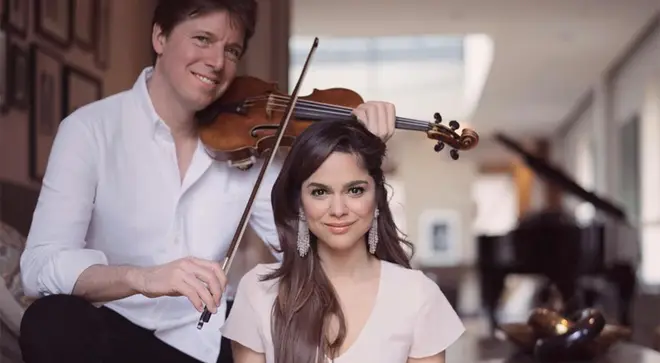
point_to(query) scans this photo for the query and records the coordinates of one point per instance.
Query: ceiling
(546, 53)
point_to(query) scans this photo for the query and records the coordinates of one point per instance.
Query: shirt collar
(143, 97)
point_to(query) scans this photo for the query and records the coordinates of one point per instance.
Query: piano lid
(556, 176)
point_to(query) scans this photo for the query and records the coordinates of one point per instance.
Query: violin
(241, 125)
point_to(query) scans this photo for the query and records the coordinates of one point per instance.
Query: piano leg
(624, 277)
(492, 285)
(568, 289)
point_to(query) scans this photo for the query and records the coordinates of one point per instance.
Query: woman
(344, 291)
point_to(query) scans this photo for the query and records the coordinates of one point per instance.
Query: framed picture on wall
(84, 23)
(17, 16)
(439, 235)
(53, 20)
(46, 110)
(18, 84)
(4, 72)
(80, 88)
(4, 59)
(102, 49)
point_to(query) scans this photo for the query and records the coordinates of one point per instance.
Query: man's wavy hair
(169, 13)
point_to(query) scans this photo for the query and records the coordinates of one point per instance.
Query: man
(133, 214)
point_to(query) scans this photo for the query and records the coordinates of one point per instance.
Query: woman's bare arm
(438, 358)
(243, 354)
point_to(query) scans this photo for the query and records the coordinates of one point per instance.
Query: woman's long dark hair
(306, 299)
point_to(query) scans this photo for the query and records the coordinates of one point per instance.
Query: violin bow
(240, 231)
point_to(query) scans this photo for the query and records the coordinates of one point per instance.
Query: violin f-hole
(261, 128)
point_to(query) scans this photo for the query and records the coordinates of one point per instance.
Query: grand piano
(550, 243)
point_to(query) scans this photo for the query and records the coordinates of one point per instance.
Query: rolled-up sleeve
(55, 253)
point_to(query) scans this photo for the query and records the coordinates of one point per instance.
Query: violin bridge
(269, 106)
(244, 164)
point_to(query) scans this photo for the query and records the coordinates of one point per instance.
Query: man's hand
(201, 281)
(379, 117)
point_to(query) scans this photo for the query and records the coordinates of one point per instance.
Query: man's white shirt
(112, 195)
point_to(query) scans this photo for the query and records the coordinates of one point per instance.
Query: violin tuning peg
(454, 154)
(439, 146)
(437, 117)
(454, 125)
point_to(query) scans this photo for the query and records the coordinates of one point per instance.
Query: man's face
(199, 57)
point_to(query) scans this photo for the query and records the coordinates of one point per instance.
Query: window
(649, 223)
(420, 74)
(629, 166)
(585, 177)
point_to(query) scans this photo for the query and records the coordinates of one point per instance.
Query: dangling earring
(372, 239)
(303, 235)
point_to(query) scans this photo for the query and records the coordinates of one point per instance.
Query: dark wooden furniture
(551, 244)
(17, 204)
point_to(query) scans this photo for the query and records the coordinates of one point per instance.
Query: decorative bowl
(549, 336)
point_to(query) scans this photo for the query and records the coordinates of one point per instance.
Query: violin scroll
(448, 135)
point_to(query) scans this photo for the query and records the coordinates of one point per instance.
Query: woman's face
(339, 202)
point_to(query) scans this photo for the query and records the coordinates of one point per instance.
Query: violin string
(316, 109)
(276, 106)
(274, 100)
(313, 112)
(316, 112)
(287, 98)
(404, 120)
(348, 109)
(303, 112)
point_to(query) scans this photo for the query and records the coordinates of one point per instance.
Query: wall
(628, 89)
(268, 54)
(434, 181)
(616, 97)
(130, 31)
(580, 131)
(574, 155)
(635, 92)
